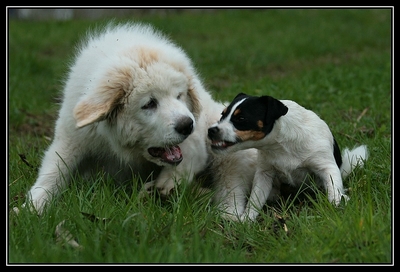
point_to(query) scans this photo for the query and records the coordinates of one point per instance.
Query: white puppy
(133, 106)
(293, 144)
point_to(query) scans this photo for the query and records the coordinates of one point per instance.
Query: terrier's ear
(240, 95)
(275, 108)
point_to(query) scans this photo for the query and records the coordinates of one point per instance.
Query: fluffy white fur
(300, 143)
(129, 89)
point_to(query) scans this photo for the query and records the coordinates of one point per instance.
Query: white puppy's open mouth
(171, 154)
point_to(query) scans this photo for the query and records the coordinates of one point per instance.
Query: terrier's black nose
(185, 126)
(212, 132)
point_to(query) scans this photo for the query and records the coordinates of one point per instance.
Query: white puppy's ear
(96, 106)
(195, 102)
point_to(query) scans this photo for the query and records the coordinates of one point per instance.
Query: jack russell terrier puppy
(294, 146)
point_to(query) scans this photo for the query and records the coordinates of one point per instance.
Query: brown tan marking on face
(250, 135)
(236, 112)
(260, 124)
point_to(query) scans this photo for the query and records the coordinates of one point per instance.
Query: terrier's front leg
(262, 186)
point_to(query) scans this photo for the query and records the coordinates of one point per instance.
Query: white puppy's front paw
(162, 189)
(148, 186)
(17, 210)
(165, 188)
(147, 189)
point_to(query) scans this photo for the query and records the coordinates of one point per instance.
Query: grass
(336, 62)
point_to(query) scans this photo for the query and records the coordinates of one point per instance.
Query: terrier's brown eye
(239, 119)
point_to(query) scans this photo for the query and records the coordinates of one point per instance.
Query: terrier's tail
(352, 159)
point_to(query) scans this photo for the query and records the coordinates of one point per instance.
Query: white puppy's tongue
(171, 155)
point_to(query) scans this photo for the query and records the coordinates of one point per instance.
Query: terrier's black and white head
(247, 120)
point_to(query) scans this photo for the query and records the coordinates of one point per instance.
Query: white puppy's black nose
(185, 126)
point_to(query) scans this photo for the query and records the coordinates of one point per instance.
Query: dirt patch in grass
(35, 125)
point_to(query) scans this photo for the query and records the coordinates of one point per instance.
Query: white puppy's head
(245, 123)
(143, 101)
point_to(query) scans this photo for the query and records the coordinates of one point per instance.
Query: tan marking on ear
(116, 85)
(147, 56)
(250, 135)
(196, 105)
(178, 66)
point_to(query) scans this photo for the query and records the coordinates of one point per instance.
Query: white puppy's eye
(179, 96)
(152, 104)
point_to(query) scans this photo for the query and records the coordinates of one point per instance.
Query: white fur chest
(287, 169)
